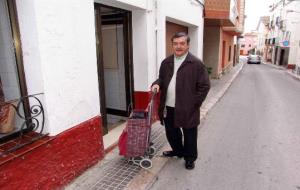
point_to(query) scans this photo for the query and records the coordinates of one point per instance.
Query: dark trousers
(186, 146)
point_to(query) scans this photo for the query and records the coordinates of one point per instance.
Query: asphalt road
(249, 141)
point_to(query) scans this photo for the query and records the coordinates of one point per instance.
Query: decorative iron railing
(28, 116)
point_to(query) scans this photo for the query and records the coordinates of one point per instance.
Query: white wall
(294, 43)
(293, 25)
(140, 49)
(261, 37)
(59, 52)
(188, 13)
(184, 12)
(31, 52)
(149, 32)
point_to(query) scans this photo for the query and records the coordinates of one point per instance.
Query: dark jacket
(192, 86)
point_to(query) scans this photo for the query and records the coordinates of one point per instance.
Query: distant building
(284, 37)
(224, 24)
(262, 35)
(248, 43)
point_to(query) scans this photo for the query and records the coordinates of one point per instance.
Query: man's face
(180, 46)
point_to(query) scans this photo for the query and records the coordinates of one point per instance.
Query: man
(184, 83)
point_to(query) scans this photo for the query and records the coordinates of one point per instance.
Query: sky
(254, 10)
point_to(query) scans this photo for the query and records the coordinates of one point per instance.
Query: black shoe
(171, 154)
(189, 165)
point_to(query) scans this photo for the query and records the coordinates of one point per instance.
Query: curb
(274, 66)
(295, 76)
(146, 178)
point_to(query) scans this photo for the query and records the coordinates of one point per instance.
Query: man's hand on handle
(155, 88)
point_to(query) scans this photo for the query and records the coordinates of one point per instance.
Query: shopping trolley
(134, 142)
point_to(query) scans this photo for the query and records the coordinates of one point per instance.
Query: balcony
(238, 28)
(221, 12)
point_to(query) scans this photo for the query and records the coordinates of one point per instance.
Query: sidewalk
(114, 172)
(288, 71)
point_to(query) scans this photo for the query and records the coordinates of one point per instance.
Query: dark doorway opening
(114, 60)
(223, 54)
(275, 57)
(281, 57)
(234, 55)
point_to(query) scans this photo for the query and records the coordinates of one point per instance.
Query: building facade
(262, 35)
(224, 23)
(85, 63)
(283, 36)
(248, 43)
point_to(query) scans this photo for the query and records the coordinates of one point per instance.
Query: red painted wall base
(55, 164)
(291, 66)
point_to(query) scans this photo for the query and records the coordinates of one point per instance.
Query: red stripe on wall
(291, 66)
(56, 163)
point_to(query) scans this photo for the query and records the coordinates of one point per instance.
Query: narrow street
(250, 139)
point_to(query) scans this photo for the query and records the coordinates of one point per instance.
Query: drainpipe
(151, 9)
(156, 38)
(201, 3)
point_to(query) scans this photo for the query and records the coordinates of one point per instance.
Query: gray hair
(181, 34)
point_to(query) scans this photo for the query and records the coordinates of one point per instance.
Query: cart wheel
(146, 163)
(151, 150)
(137, 160)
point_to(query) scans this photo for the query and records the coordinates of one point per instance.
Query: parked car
(254, 59)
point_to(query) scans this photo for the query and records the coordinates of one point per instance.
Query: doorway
(234, 55)
(282, 52)
(275, 56)
(114, 61)
(223, 54)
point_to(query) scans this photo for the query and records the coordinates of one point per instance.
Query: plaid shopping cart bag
(134, 141)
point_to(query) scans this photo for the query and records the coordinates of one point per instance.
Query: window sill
(6, 155)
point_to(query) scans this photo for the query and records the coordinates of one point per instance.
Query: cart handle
(153, 93)
(150, 106)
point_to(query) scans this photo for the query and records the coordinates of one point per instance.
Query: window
(12, 80)
(243, 45)
(249, 45)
